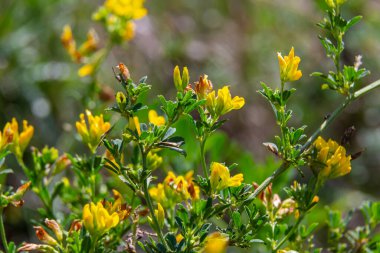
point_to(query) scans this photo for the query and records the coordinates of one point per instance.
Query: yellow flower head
(332, 157)
(97, 220)
(86, 70)
(17, 141)
(91, 44)
(181, 82)
(215, 243)
(134, 124)
(203, 87)
(334, 3)
(160, 215)
(220, 177)
(129, 9)
(155, 119)
(223, 103)
(153, 160)
(92, 130)
(129, 31)
(117, 206)
(175, 189)
(289, 71)
(69, 43)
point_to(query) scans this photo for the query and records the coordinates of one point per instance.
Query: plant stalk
(2, 232)
(285, 165)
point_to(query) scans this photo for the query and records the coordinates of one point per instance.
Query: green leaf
(236, 218)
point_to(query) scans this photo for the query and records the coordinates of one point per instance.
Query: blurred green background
(234, 42)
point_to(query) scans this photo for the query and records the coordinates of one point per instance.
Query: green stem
(2, 231)
(289, 234)
(203, 157)
(285, 165)
(149, 200)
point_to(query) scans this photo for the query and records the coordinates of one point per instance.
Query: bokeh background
(234, 42)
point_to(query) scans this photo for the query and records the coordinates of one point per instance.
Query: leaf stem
(203, 156)
(149, 200)
(2, 231)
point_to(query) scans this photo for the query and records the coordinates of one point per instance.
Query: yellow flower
(203, 87)
(130, 9)
(175, 189)
(289, 67)
(160, 215)
(17, 141)
(129, 31)
(91, 44)
(153, 160)
(335, 3)
(155, 119)
(86, 70)
(134, 124)
(332, 157)
(92, 130)
(97, 220)
(223, 103)
(181, 82)
(220, 177)
(117, 206)
(215, 243)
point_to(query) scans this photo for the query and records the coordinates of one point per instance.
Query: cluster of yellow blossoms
(289, 71)
(335, 3)
(216, 105)
(98, 220)
(119, 15)
(220, 177)
(332, 156)
(79, 55)
(15, 140)
(175, 189)
(92, 130)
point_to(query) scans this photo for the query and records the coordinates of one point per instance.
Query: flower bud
(185, 77)
(160, 215)
(121, 100)
(177, 79)
(203, 86)
(44, 237)
(75, 226)
(55, 227)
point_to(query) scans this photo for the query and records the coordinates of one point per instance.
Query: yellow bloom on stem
(129, 31)
(92, 130)
(134, 124)
(335, 3)
(220, 177)
(155, 119)
(130, 9)
(289, 71)
(160, 215)
(175, 189)
(86, 70)
(203, 87)
(181, 82)
(91, 44)
(97, 220)
(223, 103)
(332, 156)
(17, 141)
(215, 243)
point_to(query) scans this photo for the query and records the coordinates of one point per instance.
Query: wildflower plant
(211, 207)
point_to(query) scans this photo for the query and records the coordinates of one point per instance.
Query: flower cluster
(118, 16)
(16, 141)
(331, 158)
(215, 243)
(223, 103)
(92, 130)
(289, 67)
(220, 177)
(98, 220)
(175, 189)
